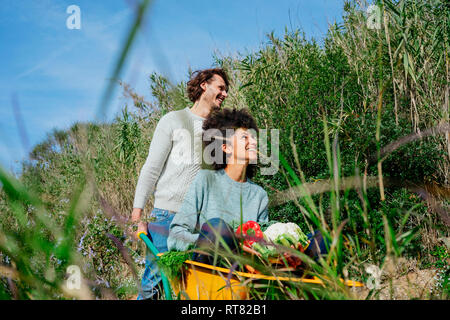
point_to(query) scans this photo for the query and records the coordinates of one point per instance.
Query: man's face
(215, 91)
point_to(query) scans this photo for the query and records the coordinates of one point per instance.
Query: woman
(217, 198)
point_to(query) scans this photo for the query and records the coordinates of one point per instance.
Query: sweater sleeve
(182, 231)
(159, 150)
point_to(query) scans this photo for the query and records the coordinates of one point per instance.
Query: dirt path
(414, 285)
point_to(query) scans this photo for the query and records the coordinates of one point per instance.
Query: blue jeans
(158, 232)
(207, 238)
(318, 246)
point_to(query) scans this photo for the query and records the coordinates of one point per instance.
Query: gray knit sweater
(174, 158)
(213, 194)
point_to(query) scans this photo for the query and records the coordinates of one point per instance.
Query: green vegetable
(264, 250)
(282, 234)
(302, 238)
(172, 263)
(286, 234)
(286, 240)
(283, 240)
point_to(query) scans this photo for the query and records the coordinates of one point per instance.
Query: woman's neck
(237, 172)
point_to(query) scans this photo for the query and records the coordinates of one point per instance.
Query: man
(166, 173)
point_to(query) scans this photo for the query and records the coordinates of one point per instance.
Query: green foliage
(172, 263)
(169, 97)
(312, 93)
(32, 244)
(128, 137)
(102, 256)
(442, 256)
(288, 85)
(441, 288)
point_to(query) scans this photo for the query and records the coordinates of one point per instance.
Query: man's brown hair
(194, 90)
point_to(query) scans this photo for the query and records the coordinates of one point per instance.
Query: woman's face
(242, 147)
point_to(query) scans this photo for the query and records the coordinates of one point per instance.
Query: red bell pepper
(251, 231)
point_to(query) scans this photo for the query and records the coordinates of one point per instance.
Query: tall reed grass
(364, 159)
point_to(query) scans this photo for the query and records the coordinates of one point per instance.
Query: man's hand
(136, 214)
(136, 219)
(142, 227)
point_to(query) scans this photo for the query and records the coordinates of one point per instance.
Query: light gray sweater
(213, 194)
(174, 158)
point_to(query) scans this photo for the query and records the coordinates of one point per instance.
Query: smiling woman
(221, 197)
(234, 132)
(241, 148)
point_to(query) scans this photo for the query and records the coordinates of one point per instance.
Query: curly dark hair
(194, 90)
(223, 119)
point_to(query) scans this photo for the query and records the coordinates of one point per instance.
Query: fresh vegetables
(172, 263)
(284, 234)
(252, 230)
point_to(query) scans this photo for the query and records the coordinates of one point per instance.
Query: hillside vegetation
(366, 103)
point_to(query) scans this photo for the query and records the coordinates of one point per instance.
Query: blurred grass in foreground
(364, 158)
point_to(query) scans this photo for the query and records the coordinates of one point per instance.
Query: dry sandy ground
(414, 285)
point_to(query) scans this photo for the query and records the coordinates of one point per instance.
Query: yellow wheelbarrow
(206, 282)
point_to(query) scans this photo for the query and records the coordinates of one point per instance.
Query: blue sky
(57, 75)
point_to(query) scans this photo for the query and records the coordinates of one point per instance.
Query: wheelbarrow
(206, 282)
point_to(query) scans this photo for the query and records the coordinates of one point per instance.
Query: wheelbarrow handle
(143, 236)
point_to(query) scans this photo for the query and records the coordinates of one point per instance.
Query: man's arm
(159, 150)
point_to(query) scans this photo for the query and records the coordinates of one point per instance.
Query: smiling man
(172, 164)
(207, 89)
